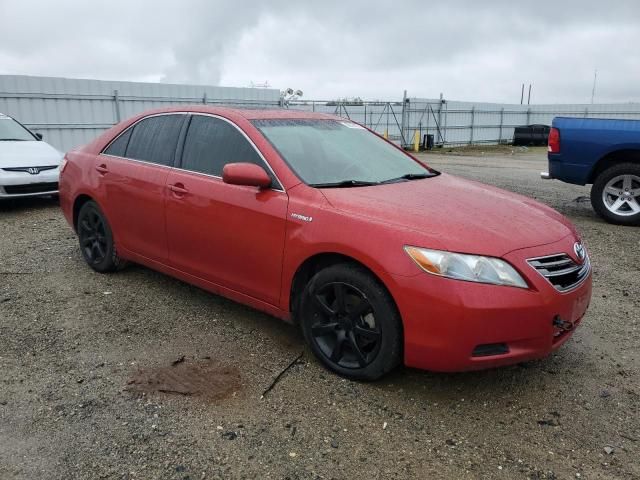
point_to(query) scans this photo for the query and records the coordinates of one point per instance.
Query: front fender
(380, 248)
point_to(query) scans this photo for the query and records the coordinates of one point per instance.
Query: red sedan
(380, 259)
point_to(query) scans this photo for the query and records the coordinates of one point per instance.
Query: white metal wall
(473, 122)
(458, 123)
(71, 112)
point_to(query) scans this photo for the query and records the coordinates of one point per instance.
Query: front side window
(10, 130)
(326, 153)
(211, 143)
(154, 139)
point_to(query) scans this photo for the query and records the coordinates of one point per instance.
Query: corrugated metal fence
(460, 123)
(71, 112)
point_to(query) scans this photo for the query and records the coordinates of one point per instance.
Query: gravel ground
(79, 352)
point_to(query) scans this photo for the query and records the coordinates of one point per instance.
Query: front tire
(351, 323)
(96, 240)
(615, 194)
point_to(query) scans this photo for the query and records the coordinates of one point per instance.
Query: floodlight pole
(402, 121)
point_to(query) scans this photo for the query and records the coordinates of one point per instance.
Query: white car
(28, 166)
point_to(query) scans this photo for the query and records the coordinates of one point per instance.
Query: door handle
(102, 169)
(178, 188)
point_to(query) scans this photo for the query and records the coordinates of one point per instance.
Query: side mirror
(39, 136)
(248, 174)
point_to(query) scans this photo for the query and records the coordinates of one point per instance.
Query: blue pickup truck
(605, 153)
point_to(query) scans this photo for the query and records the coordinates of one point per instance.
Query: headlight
(471, 268)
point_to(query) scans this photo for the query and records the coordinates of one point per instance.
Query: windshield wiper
(12, 140)
(344, 183)
(409, 176)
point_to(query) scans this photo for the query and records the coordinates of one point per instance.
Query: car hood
(456, 214)
(28, 154)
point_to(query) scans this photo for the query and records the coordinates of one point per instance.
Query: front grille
(561, 270)
(31, 170)
(31, 188)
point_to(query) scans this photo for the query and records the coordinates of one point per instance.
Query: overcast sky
(469, 50)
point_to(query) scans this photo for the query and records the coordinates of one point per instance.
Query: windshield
(12, 130)
(327, 153)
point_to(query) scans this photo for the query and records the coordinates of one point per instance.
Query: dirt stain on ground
(203, 378)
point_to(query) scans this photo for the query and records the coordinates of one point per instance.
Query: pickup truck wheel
(615, 195)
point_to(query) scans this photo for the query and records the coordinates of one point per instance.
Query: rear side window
(118, 147)
(211, 143)
(154, 139)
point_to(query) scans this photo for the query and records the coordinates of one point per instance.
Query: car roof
(249, 114)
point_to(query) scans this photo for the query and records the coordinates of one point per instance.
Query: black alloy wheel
(351, 323)
(96, 239)
(345, 328)
(93, 237)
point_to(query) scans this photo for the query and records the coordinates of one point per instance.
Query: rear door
(133, 172)
(230, 235)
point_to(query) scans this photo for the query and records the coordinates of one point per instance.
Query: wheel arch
(79, 201)
(623, 155)
(318, 261)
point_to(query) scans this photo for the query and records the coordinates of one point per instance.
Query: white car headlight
(472, 268)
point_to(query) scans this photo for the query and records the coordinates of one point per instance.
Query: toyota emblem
(580, 251)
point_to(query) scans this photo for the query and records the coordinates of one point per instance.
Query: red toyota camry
(380, 259)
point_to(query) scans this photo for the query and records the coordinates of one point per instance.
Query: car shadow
(244, 316)
(502, 384)
(26, 203)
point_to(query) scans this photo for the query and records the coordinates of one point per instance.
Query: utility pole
(522, 95)
(593, 91)
(529, 97)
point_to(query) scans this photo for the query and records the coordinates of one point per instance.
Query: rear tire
(96, 240)
(351, 323)
(615, 194)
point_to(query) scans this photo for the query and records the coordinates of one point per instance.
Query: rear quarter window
(118, 147)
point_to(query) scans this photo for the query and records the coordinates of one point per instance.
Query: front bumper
(22, 184)
(450, 325)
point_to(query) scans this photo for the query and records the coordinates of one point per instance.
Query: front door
(230, 235)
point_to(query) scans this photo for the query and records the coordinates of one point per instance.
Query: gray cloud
(467, 49)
